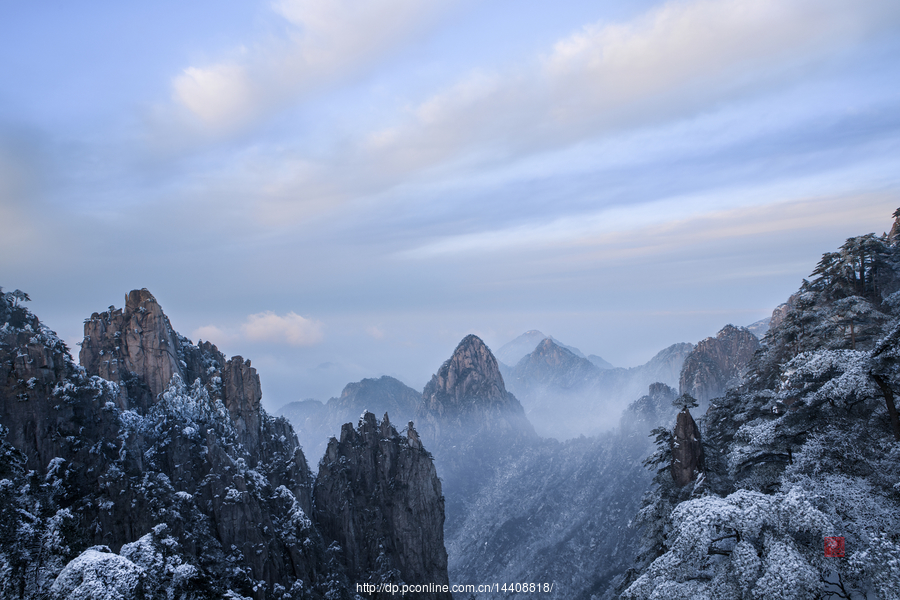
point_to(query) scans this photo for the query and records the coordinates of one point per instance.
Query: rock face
(649, 410)
(137, 348)
(45, 399)
(782, 310)
(471, 424)
(378, 496)
(717, 363)
(687, 451)
(138, 340)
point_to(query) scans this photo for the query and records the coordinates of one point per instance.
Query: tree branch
(889, 400)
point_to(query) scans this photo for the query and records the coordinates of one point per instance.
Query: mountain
(599, 362)
(303, 415)
(512, 352)
(522, 508)
(471, 423)
(567, 396)
(315, 422)
(761, 327)
(556, 387)
(118, 483)
(717, 363)
(803, 456)
(467, 394)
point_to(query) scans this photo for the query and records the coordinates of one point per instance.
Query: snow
(98, 574)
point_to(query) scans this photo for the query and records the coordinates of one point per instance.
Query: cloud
(326, 41)
(288, 329)
(670, 62)
(375, 332)
(664, 227)
(675, 61)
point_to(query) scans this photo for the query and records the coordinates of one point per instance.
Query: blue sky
(341, 189)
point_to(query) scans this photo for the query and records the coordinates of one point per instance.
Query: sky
(340, 189)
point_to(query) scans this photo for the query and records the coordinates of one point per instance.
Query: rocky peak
(40, 387)
(137, 341)
(470, 422)
(471, 372)
(512, 352)
(377, 495)
(687, 451)
(717, 363)
(137, 348)
(661, 390)
(242, 396)
(315, 421)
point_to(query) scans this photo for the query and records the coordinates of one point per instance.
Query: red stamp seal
(834, 547)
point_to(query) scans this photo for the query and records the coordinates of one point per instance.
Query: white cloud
(328, 40)
(675, 61)
(663, 227)
(288, 329)
(672, 61)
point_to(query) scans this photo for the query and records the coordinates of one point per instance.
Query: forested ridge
(806, 448)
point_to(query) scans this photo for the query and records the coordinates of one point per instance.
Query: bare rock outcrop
(134, 342)
(378, 496)
(687, 451)
(201, 461)
(717, 363)
(46, 402)
(315, 422)
(159, 452)
(137, 348)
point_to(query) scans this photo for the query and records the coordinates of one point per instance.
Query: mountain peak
(550, 360)
(471, 372)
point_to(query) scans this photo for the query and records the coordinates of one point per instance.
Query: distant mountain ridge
(512, 352)
(316, 422)
(565, 395)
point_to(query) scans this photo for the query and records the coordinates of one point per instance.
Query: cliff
(717, 363)
(471, 423)
(466, 396)
(378, 497)
(137, 348)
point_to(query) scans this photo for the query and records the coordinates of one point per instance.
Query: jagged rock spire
(687, 451)
(137, 348)
(378, 496)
